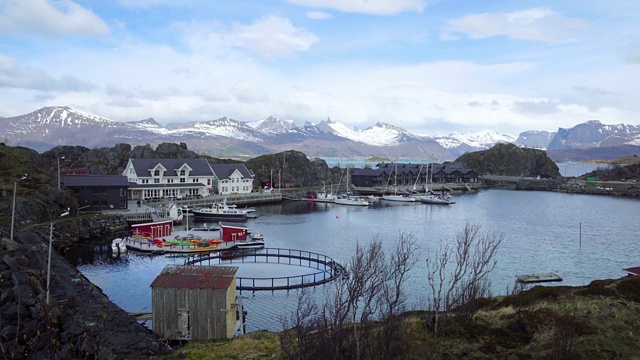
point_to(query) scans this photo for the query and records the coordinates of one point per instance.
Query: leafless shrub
(457, 274)
(358, 318)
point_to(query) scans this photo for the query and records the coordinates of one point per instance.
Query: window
(183, 180)
(183, 173)
(156, 181)
(156, 173)
(123, 191)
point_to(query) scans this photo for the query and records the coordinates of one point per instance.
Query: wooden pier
(537, 278)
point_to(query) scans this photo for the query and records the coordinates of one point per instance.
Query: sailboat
(405, 198)
(324, 196)
(439, 199)
(347, 199)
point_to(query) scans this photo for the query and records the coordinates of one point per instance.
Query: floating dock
(536, 278)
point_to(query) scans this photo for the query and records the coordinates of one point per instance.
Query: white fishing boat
(220, 211)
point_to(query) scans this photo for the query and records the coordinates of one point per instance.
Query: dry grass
(542, 323)
(256, 345)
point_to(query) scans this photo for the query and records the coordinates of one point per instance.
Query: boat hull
(398, 198)
(204, 215)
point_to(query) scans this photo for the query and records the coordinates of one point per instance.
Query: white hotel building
(185, 178)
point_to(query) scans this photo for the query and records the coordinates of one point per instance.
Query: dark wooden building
(98, 192)
(195, 302)
(410, 177)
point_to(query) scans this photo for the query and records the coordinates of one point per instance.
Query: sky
(431, 67)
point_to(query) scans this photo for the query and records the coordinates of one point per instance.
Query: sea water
(579, 237)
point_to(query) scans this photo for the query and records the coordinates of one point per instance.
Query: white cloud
(49, 18)
(539, 24)
(318, 15)
(372, 7)
(273, 36)
(14, 75)
(247, 92)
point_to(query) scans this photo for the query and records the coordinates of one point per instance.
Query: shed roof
(195, 277)
(633, 270)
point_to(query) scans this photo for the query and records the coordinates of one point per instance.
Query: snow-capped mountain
(381, 134)
(52, 126)
(593, 133)
(535, 139)
(149, 124)
(273, 125)
(459, 143)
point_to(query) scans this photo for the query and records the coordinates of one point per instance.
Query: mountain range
(48, 127)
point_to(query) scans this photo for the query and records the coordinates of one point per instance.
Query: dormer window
(156, 173)
(183, 173)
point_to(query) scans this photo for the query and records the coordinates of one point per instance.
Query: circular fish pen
(325, 268)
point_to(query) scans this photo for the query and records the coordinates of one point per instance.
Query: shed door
(183, 324)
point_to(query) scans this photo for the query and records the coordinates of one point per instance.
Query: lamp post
(50, 246)
(13, 208)
(60, 158)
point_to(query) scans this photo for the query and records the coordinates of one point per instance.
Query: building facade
(185, 178)
(389, 177)
(195, 302)
(98, 192)
(232, 179)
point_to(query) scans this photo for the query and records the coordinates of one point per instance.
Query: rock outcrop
(510, 160)
(79, 322)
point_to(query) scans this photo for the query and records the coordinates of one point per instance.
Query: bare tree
(358, 317)
(458, 274)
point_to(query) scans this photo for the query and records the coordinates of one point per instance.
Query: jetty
(537, 278)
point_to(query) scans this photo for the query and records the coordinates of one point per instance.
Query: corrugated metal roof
(195, 277)
(231, 225)
(633, 270)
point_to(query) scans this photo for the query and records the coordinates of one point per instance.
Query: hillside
(597, 321)
(510, 160)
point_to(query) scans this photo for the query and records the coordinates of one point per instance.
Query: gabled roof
(367, 172)
(94, 181)
(200, 167)
(195, 277)
(224, 171)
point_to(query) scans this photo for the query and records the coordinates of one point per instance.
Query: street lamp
(13, 209)
(60, 158)
(50, 246)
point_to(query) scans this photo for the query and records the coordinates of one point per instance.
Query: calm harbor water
(579, 237)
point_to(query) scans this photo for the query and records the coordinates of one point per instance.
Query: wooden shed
(195, 302)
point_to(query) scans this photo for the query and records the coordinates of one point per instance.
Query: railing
(329, 270)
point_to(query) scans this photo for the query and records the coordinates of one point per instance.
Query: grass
(255, 345)
(597, 321)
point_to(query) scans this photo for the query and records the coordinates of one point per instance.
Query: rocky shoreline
(80, 321)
